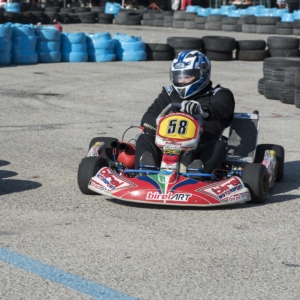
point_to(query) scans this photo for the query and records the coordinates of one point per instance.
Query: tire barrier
(74, 47)
(179, 44)
(23, 44)
(48, 44)
(100, 47)
(129, 48)
(281, 81)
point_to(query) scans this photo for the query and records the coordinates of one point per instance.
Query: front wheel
(88, 168)
(256, 179)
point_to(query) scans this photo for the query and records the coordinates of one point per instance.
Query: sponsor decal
(241, 196)
(111, 181)
(97, 186)
(222, 191)
(167, 175)
(96, 149)
(247, 116)
(169, 89)
(170, 196)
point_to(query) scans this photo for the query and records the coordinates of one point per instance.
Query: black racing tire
(249, 28)
(168, 24)
(215, 18)
(259, 156)
(289, 77)
(159, 22)
(134, 16)
(263, 20)
(179, 15)
(277, 74)
(133, 22)
(228, 27)
(187, 42)
(256, 178)
(190, 24)
(178, 23)
(296, 31)
(297, 97)
(249, 19)
(191, 16)
(157, 47)
(287, 95)
(266, 29)
(200, 26)
(251, 45)
(219, 56)
(229, 21)
(261, 85)
(272, 89)
(104, 21)
(296, 24)
(218, 43)
(252, 55)
(284, 31)
(213, 25)
(160, 55)
(238, 27)
(88, 168)
(279, 62)
(168, 18)
(200, 20)
(279, 42)
(104, 16)
(285, 25)
(284, 52)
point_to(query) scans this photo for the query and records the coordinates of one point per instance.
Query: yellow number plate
(177, 127)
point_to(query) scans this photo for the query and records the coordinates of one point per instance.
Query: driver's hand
(192, 108)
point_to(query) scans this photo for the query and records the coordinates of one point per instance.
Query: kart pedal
(147, 162)
(195, 166)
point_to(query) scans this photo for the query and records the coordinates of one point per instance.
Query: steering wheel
(175, 107)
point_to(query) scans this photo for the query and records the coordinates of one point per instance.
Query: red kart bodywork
(168, 188)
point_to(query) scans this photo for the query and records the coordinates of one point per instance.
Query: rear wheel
(259, 156)
(256, 179)
(88, 168)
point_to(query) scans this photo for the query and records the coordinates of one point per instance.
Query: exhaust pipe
(123, 147)
(115, 144)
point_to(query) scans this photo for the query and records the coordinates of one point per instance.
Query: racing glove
(193, 107)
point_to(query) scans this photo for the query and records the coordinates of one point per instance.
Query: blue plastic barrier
(5, 43)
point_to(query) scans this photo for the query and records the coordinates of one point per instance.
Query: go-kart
(246, 174)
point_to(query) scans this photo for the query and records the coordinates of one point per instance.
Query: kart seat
(242, 139)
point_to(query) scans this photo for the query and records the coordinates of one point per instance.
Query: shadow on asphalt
(290, 182)
(9, 186)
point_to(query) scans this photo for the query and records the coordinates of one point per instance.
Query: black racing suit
(220, 103)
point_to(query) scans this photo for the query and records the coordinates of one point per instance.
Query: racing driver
(191, 86)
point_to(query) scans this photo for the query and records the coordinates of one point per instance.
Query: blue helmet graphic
(190, 73)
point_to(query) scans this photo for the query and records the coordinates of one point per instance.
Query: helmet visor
(181, 78)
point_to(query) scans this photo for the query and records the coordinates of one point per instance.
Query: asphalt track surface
(56, 243)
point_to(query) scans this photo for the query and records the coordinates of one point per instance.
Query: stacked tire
(219, 47)
(214, 22)
(179, 44)
(297, 90)
(228, 23)
(249, 25)
(281, 80)
(200, 22)
(179, 18)
(128, 17)
(158, 51)
(251, 50)
(266, 25)
(296, 27)
(283, 46)
(190, 20)
(104, 18)
(284, 28)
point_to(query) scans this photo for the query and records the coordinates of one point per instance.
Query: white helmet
(194, 64)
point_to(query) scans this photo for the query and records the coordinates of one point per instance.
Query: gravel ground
(50, 112)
